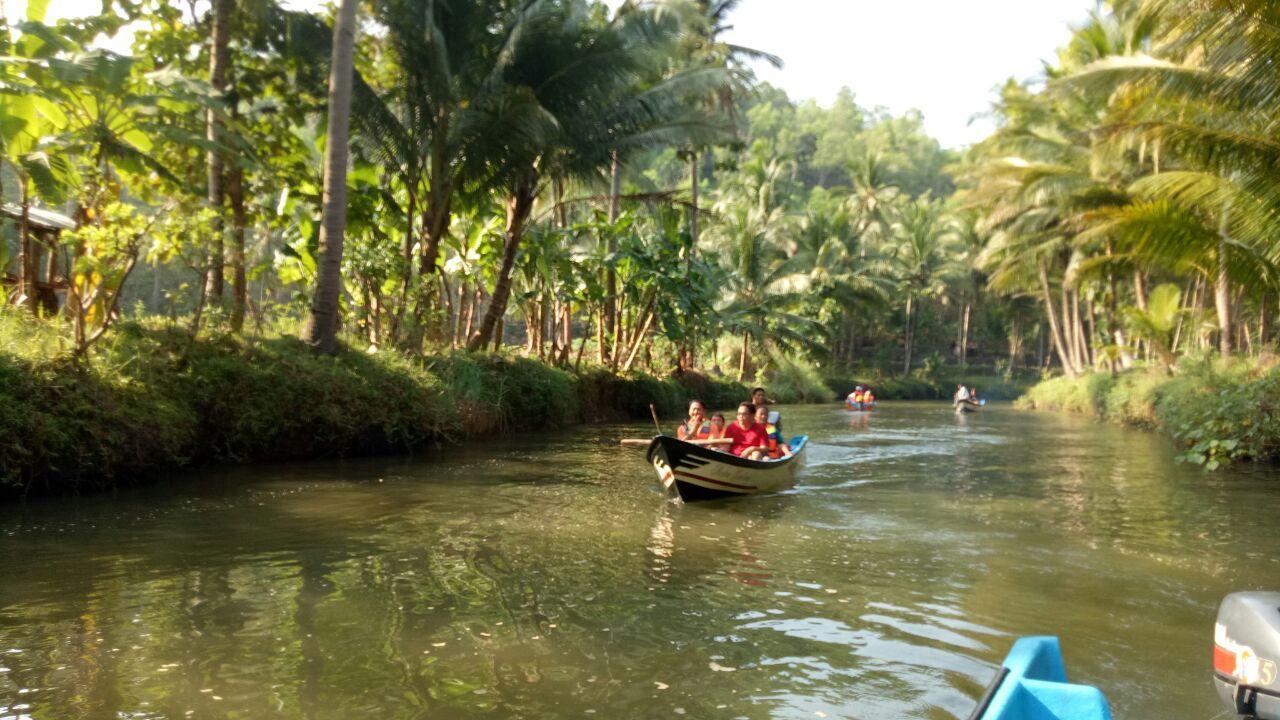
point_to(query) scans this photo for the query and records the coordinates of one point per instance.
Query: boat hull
(964, 406)
(1032, 685)
(860, 407)
(696, 472)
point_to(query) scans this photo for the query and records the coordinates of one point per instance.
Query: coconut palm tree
(321, 331)
(1202, 94)
(570, 100)
(920, 255)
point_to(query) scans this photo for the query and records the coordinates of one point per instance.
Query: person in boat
(962, 394)
(854, 398)
(777, 448)
(696, 427)
(749, 438)
(717, 426)
(759, 397)
(868, 397)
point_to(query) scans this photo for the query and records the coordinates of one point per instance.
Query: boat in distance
(698, 472)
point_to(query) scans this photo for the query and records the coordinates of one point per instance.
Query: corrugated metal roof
(39, 217)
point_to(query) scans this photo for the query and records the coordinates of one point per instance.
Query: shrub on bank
(794, 380)
(152, 399)
(1216, 412)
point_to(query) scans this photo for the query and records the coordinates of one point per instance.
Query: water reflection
(552, 580)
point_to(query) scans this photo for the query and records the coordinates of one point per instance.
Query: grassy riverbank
(151, 399)
(1215, 411)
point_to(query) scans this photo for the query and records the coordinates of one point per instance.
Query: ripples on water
(549, 579)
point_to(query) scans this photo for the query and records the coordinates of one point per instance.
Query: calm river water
(549, 579)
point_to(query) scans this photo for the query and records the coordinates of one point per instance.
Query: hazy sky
(944, 57)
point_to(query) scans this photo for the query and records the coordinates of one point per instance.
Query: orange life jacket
(774, 436)
(702, 433)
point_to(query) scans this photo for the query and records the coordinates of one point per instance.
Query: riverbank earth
(547, 577)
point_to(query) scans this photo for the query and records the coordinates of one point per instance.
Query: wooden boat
(698, 472)
(860, 406)
(968, 406)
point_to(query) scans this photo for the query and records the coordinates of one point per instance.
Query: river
(548, 578)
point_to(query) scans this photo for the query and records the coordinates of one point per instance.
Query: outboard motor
(1246, 654)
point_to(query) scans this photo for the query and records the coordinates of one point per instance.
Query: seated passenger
(696, 427)
(776, 447)
(717, 426)
(758, 397)
(749, 437)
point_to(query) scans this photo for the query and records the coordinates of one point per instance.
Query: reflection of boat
(697, 472)
(1032, 685)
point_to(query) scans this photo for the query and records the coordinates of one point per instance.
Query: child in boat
(777, 448)
(717, 426)
(750, 439)
(696, 427)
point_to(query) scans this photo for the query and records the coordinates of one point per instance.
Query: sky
(942, 57)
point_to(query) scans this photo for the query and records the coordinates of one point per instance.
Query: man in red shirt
(750, 438)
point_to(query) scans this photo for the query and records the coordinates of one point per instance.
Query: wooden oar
(637, 442)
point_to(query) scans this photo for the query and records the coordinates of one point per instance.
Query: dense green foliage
(154, 400)
(1217, 412)
(609, 192)
(1144, 162)
(685, 217)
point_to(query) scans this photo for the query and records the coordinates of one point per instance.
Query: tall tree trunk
(638, 339)
(1222, 298)
(1140, 289)
(28, 268)
(218, 60)
(1264, 323)
(1091, 340)
(439, 199)
(321, 331)
(519, 205)
(1064, 354)
(582, 346)
(611, 275)
(964, 334)
(693, 209)
(1202, 282)
(600, 341)
(1015, 344)
(239, 280)
(403, 303)
(743, 358)
(906, 364)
